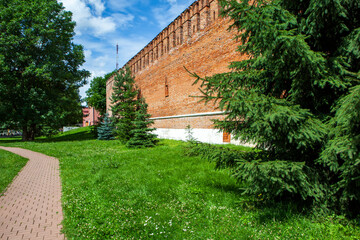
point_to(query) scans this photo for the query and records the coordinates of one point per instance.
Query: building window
(166, 88)
(198, 22)
(226, 137)
(139, 96)
(174, 39)
(181, 34)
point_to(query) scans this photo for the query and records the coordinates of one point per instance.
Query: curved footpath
(31, 206)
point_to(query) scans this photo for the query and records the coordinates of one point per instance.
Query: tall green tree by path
(296, 97)
(96, 94)
(39, 65)
(124, 102)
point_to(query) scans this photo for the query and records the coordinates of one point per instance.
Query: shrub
(274, 179)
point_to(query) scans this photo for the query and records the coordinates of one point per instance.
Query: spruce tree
(141, 134)
(124, 103)
(105, 130)
(295, 97)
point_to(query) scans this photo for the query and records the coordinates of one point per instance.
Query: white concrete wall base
(213, 136)
(65, 129)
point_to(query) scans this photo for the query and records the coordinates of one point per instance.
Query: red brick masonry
(31, 206)
(198, 40)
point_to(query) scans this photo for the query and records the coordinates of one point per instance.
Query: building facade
(90, 116)
(198, 41)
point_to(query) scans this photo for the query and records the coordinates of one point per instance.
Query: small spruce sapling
(105, 130)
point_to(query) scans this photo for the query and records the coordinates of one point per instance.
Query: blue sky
(101, 24)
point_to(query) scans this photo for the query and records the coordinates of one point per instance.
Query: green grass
(10, 165)
(111, 192)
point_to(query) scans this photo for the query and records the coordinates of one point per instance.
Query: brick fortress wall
(198, 40)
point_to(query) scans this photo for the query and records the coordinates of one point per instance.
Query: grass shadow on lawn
(227, 188)
(280, 211)
(10, 140)
(265, 212)
(80, 134)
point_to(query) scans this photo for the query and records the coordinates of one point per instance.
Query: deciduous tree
(39, 65)
(96, 94)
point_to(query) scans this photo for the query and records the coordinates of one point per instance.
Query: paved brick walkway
(31, 207)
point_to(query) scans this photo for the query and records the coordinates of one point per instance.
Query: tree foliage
(39, 66)
(129, 112)
(301, 80)
(341, 153)
(105, 131)
(96, 94)
(124, 101)
(141, 134)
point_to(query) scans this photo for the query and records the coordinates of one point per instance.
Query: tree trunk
(28, 133)
(25, 134)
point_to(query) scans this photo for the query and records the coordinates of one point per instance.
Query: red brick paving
(31, 206)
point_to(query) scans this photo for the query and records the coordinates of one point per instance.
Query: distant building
(90, 116)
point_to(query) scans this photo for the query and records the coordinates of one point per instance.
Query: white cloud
(122, 19)
(87, 53)
(88, 21)
(128, 47)
(101, 26)
(143, 18)
(101, 62)
(98, 6)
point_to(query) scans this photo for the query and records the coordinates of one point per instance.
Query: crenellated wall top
(193, 19)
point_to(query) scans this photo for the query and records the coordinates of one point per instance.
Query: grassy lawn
(10, 165)
(111, 192)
